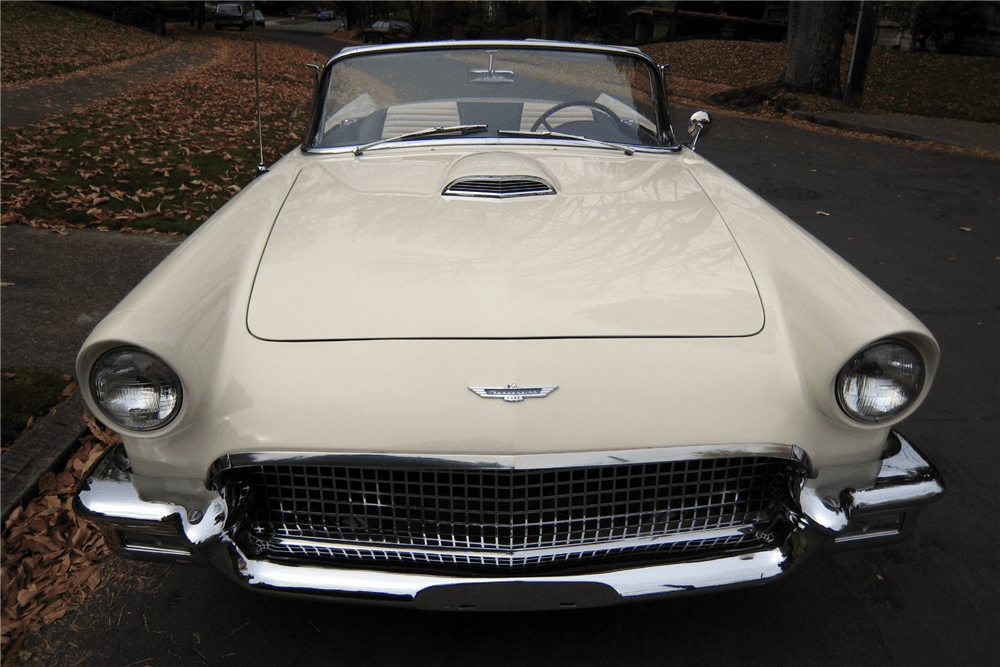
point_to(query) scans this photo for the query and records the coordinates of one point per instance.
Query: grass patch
(39, 41)
(27, 394)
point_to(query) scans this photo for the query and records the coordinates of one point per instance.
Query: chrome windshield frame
(665, 130)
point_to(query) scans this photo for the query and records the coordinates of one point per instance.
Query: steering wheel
(565, 105)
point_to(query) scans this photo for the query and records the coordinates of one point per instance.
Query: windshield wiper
(560, 135)
(430, 131)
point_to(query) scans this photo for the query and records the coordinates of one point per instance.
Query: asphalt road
(923, 224)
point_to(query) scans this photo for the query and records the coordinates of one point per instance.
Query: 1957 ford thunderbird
(491, 338)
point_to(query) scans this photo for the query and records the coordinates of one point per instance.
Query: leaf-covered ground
(50, 555)
(923, 84)
(166, 156)
(39, 41)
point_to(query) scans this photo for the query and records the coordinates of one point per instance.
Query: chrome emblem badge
(512, 393)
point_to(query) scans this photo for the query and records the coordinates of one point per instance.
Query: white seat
(405, 118)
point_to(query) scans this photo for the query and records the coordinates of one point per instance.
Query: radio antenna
(261, 169)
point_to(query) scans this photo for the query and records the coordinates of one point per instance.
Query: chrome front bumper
(883, 513)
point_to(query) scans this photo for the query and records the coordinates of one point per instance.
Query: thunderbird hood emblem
(512, 393)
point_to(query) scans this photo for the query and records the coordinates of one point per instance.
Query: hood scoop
(498, 187)
(497, 176)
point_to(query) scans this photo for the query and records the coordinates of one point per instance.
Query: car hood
(368, 247)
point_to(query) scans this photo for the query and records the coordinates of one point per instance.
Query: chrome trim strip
(517, 461)
(157, 551)
(540, 45)
(858, 537)
(489, 554)
(467, 142)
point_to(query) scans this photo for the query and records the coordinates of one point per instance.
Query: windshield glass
(599, 96)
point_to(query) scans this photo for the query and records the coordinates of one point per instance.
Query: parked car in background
(494, 338)
(230, 15)
(256, 20)
(387, 32)
(326, 15)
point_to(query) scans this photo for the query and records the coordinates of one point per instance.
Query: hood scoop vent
(499, 187)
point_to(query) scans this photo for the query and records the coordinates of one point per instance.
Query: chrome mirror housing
(699, 124)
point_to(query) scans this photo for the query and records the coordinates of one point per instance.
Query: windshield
(603, 97)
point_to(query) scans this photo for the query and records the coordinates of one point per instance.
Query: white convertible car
(491, 338)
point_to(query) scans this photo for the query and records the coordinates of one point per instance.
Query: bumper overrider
(807, 520)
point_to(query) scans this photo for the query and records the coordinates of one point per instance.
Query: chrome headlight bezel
(156, 396)
(897, 371)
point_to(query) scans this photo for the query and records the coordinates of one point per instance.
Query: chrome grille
(475, 520)
(499, 187)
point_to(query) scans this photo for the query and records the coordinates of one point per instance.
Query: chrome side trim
(516, 461)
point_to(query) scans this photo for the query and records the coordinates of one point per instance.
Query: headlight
(880, 382)
(135, 389)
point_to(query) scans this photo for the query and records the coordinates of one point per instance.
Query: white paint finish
(243, 394)
(628, 247)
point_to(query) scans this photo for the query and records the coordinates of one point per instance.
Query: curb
(820, 119)
(43, 449)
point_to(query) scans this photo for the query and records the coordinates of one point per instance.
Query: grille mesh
(499, 187)
(402, 514)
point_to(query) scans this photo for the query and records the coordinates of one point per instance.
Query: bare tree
(815, 40)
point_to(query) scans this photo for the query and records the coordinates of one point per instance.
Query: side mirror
(699, 124)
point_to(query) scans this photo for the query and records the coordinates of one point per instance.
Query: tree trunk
(864, 40)
(557, 21)
(815, 39)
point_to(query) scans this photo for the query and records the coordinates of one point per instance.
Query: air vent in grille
(499, 187)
